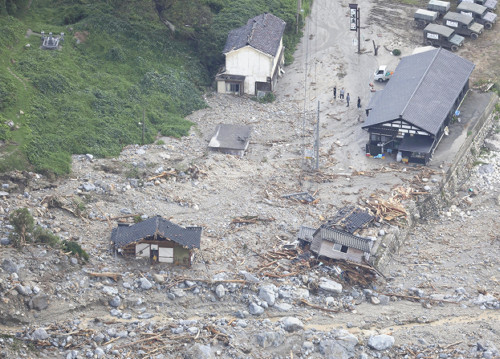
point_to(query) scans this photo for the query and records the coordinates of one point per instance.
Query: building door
(166, 255)
(154, 253)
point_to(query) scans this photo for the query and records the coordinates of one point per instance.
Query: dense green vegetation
(122, 61)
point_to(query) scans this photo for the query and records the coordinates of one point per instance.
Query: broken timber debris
(302, 197)
(250, 220)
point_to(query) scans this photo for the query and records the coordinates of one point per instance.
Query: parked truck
(382, 74)
(479, 13)
(424, 17)
(441, 7)
(491, 5)
(463, 24)
(440, 35)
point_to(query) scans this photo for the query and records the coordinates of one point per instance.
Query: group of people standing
(341, 96)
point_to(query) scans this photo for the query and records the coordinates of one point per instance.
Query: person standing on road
(341, 95)
(348, 98)
(359, 102)
(334, 92)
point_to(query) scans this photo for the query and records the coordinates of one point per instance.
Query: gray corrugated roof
(471, 7)
(439, 29)
(189, 237)
(422, 90)
(234, 137)
(344, 238)
(306, 233)
(455, 16)
(262, 32)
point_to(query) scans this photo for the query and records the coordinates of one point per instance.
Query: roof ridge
(420, 82)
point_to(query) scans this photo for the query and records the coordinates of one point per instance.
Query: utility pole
(299, 6)
(355, 22)
(317, 140)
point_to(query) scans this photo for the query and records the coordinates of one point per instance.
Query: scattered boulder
(40, 334)
(9, 266)
(115, 301)
(381, 342)
(199, 351)
(145, 284)
(220, 291)
(39, 302)
(255, 309)
(292, 324)
(266, 293)
(268, 339)
(330, 286)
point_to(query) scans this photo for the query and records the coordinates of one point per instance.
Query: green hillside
(118, 61)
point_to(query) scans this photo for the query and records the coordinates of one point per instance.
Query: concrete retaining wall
(429, 206)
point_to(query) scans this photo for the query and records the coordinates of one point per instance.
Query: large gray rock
(292, 324)
(255, 309)
(347, 340)
(4, 241)
(331, 349)
(109, 290)
(199, 351)
(381, 342)
(301, 293)
(39, 302)
(249, 276)
(266, 293)
(24, 290)
(220, 291)
(115, 301)
(493, 143)
(9, 266)
(330, 286)
(268, 339)
(282, 307)
(40, 334)
(145, 284)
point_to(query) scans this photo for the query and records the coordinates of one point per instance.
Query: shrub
(75, 249)
(267, 98)
(396, 52)
(41, 235)
(52, 83)
(7, 92)
(23, 223)
(4, 130)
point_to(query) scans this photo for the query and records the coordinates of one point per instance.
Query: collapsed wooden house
(158, 240)
(337, 238)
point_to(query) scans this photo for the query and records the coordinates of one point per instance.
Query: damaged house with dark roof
(409, 116)
(158, 240)
(254, 57)
(231, 139)
(338, 237)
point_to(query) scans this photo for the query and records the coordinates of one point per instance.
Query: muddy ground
(443, 282)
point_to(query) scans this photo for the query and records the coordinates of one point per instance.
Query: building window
(232, 87)
(340, 248)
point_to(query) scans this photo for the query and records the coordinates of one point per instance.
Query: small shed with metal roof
(231, 139)
(409, 116)
(157, 240)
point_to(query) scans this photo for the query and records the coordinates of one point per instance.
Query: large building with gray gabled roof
(410, 115)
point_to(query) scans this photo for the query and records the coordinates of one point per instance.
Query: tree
(186, 17)
(23, 223)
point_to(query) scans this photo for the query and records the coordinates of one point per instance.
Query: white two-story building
(254, 57)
